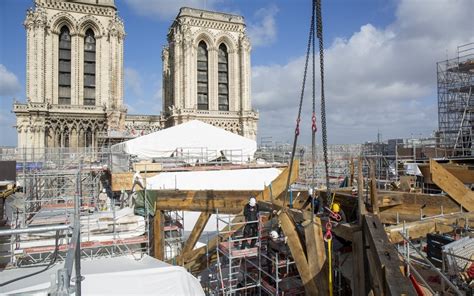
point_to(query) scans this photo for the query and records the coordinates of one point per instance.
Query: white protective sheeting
(193, 141)
(242, 179)
(113, 276)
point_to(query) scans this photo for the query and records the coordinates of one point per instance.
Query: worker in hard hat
(103, 200)
(251, 227)
(336, 209)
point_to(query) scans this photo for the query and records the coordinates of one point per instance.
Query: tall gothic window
(89, 138)
(64, 79)
(89, 68)
(202, 77)
(223, 88)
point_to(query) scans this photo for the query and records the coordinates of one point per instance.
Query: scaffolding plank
(296, 248)
(450, 184)
(195, 234)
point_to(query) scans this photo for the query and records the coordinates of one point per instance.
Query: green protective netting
(145, 202)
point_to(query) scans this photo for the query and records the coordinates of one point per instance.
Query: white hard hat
(310, 191)
(252, 201)
(273, 234)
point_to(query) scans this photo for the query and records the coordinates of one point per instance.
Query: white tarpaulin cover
(192, 140)
(113, 276)
(241, 179)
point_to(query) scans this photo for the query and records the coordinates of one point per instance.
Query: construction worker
(336, 208)
(251, 217)
(103, 200)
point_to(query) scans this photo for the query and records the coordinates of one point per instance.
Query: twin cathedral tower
(75, 75)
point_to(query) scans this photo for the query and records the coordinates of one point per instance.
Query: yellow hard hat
(336, 208)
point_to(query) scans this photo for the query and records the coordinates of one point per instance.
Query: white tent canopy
(193, 140)
(111, 276)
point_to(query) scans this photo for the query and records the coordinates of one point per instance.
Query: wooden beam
(351, 167)
(296, 248)
(197, 258)
(158, 235)
(316, 253)
(125, 180)
(465, 173)
(373, 188)
(227, 201)
(195, 234)
(385, 262)
(360, 188)
(358, 265)
(419, 229)
(450, 184)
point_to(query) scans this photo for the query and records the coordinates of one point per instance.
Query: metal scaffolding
(49, 180)
(456, 101)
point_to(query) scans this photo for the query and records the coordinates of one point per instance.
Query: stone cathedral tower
(74, 69)
(206, 72)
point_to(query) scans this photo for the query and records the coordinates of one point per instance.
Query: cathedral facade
(207, 73)
(74, 69)
(74, 66)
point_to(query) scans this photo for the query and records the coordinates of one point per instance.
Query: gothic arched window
(223, 77)
(202, 77)
(64, 78)
(89, 68)
(89, 138)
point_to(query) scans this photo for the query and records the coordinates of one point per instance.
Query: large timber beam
(297, 251)
(195, 234)
(316, 253)
(384, 262)
(373, 189)
(158, 236)
(450, 184)
(464, 173)
(419, 229)
(227, 201)
(196, 261)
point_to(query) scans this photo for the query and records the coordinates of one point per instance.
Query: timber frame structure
(374, 230)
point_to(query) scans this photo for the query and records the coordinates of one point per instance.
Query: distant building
(74, 69)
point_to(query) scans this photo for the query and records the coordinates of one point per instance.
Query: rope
(328, 239)
(298, 118)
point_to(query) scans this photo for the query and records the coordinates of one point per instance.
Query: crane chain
(298, 119)
(319, 30)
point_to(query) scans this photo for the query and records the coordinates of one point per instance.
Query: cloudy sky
(380, 61)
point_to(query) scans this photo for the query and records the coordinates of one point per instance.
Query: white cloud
(133, 82)
(263, 32)
(167, 9)
(9, 84)
(379, 78)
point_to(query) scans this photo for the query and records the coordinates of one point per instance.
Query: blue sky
(380, 61)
